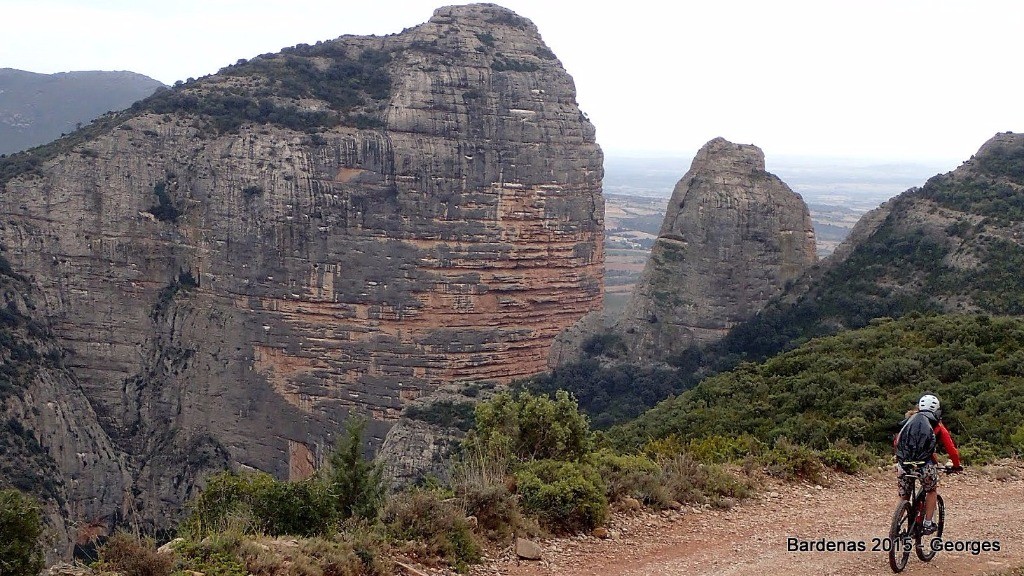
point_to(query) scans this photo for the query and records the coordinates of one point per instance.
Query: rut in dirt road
(984, 512)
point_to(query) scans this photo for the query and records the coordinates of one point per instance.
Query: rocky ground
(983, 505)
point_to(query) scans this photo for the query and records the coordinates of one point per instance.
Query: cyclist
(916, 442)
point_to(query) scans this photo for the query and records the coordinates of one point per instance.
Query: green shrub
(790, 461)
(434, 527)
(977, 452)
(1017, 440)
(719, 449)
(20, 530)
(215, 555)
(130, 556)
(531, 427)
(659, 449)
(846, 457)
(496, 510)
(256, 503)
(299, 508)
(634, 476)
(566, 497)
(841, 460)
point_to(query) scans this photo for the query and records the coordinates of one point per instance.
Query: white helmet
(928, 403)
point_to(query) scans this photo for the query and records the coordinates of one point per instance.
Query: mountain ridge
(38, 108)
(949, 245)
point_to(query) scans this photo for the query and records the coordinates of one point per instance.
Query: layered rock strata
(238, 265)
(733, 236)
(52, 445)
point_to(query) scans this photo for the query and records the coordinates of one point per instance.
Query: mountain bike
(906, 531)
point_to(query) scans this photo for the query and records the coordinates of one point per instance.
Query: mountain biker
(916, 442)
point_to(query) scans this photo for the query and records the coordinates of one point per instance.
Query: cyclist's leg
(903, 487)
(930, 485)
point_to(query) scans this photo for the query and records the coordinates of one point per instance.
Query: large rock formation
(733, 236)
(238, 264)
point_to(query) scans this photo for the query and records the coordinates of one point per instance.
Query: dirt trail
(752, 537)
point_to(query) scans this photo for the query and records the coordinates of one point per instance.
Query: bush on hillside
(977, 452)
(635, 476)
(688, 480)
(790, 461)
(720, 449)
(256, 503)
(21, 553)
(856, 386)
(567, 497)
(129, 556)
(529, 427)
(433, 528)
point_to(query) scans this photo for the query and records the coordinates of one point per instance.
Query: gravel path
(982, 505)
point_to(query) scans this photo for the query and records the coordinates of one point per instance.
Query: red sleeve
(947, 443)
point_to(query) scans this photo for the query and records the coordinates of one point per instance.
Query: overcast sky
(884, 79)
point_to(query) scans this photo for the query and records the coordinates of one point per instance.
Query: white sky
(885, 79)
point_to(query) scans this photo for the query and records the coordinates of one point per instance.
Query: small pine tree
(356, 483)
(20, 530)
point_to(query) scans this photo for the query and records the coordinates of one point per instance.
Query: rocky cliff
(238, 264)
(51, 443)
(733, 236)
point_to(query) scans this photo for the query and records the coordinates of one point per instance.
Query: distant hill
(952, 245)
(856, 386)
(37, 108)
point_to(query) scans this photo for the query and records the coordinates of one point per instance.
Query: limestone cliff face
(733, 236)
(52, 444)
(238, 265)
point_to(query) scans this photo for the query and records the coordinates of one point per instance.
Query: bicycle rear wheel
(924, 549)
(899, 536)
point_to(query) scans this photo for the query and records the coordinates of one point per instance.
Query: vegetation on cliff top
(265, 90)
(275, 84)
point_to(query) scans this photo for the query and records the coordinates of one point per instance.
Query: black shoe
(929, 527)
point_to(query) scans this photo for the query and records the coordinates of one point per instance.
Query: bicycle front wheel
(899, 537)
(924, 549)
